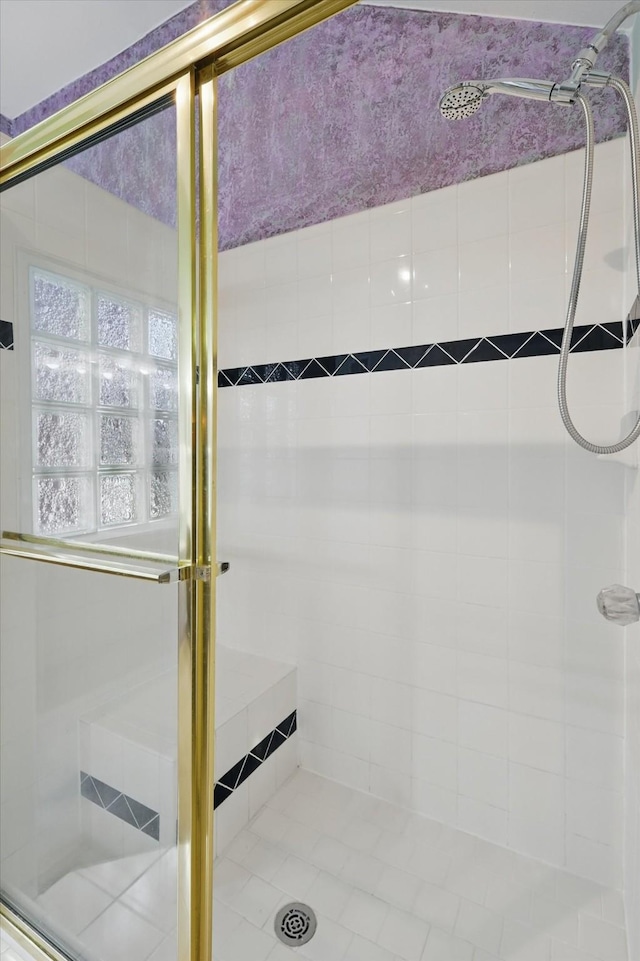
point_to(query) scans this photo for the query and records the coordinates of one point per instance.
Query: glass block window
(104, 387)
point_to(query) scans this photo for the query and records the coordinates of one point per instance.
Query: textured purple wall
(345, 117)
(5, 125)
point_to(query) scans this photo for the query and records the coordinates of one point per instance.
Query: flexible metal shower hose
(626, 95)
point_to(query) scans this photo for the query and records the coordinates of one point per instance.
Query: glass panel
(118, 382)
(163, 335)
(89, 667)
(60, 307)
(163, 493)
(62, 439)
(164, 434)
(163, 387)
(63, 504)
(61, 375)
(118, 324)
(118, 499)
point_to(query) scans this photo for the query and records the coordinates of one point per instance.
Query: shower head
(463, 99)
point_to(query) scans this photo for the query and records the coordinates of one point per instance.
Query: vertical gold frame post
(197, 647)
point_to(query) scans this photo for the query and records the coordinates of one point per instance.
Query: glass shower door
(92, 598)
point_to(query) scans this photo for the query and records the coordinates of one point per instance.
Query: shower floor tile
(386, 885)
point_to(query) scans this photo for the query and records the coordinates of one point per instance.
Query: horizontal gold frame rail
(180, 572)
(232, 37)
(86, 547)
(27, 937)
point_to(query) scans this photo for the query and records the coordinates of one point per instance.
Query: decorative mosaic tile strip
(239, 773)
(535, 343)
(6, 335)
(115, 802)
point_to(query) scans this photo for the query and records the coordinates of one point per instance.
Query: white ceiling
(45, 44)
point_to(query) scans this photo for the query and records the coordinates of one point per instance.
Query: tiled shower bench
(128, 754)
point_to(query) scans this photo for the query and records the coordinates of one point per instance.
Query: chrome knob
(619, 604)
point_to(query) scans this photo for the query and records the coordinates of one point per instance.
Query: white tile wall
(427, 545)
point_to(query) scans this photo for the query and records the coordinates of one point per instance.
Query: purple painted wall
(345, 117)
(5, 125)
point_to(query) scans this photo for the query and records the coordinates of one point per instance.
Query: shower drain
(295, 924)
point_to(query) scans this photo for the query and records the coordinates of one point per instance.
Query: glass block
(62, 439)
(63, 504)
(118, 440)
(164, 443)
(163, 494)
(60, 307)
(163, 389)
(61, 374)
(118, 324)
(163, 335)
(118, 499)
(118, 383)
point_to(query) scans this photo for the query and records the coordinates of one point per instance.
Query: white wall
(69, 639)
(632, 640)
(427, 545)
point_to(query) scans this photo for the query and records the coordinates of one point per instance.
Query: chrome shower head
(462, 100)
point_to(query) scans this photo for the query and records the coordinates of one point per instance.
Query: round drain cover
(295, 924)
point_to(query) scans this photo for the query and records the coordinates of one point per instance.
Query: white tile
(264, 860)
(536, 743)
(350, 241)
(483, 679)
(390, 228)
(483, 820)
(364, 915)
(436, 906)
(328, 895)
(256, 901)
(351, 289)
(120, 935)
(362, 950)
(391, 282)
(482, 208)
(604, 940)
(435, 273)
(522, 942)
(483, 728)
(484, 263)
(441, 945)
(295, 877)
(330, 940)
(555, 919)
(154, 896)
(536, 194)
(536, 252)
(73, 902)
(536, 794)
(403, 934)
(435, 761)
(483, 777)
(246, 941)
(434, 217)
(399, 888)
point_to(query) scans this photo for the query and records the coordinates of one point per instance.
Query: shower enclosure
(107, 513)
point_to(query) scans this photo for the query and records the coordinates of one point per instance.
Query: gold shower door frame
(185, 71)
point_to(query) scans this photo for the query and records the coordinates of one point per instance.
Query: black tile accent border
(534, 343)
(239, 773)
(147, 820)
(138, 815)
(6, 335)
